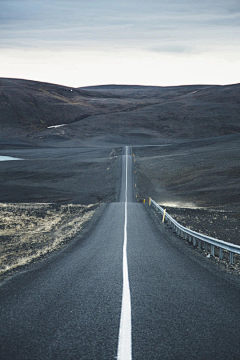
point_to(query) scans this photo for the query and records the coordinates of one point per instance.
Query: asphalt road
(71, 306)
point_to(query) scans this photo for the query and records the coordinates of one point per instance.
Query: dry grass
(28, 231)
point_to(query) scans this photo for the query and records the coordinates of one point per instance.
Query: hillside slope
(31, 106)
(179, 112)
(197, 111)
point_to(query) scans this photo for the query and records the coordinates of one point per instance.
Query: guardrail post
(205, 246)
(194, 241)
(212, 250)
(231, 257)
(190, 238)
(220, 253)
(199, 244)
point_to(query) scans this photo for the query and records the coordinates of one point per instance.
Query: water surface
(7, 158)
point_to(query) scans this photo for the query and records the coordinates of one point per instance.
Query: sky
(142, 42)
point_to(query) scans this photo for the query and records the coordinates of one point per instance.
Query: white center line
(125, 330)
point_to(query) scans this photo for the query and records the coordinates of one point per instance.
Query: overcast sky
(148, 42)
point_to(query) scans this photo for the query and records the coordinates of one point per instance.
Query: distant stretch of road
(123, 292)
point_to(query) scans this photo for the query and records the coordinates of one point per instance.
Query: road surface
(123, 292)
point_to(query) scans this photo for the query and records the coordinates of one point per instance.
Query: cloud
(103, 23)
(172, 49)
(178, 30)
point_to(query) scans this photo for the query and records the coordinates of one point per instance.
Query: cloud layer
(179, 28)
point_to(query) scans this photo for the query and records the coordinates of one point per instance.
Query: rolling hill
(181, 112)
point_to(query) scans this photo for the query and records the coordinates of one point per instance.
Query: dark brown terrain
(186, 142)
(152, 113)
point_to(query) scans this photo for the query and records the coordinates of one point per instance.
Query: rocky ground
(208, 222)
(220, 224)
(30, 231)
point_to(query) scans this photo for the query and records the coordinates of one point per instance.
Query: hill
(127, 112)
(176, 112)
(29, 106)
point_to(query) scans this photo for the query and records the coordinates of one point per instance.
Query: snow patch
(8, 158)
(56, 126)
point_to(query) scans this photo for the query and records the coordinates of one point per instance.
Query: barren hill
(197, 111)
(31, 106)
(177, 112)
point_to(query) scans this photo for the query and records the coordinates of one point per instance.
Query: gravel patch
(220, 224)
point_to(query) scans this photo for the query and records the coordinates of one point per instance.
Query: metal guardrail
(195, 237)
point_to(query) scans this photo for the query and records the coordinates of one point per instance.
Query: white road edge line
(125, 330)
